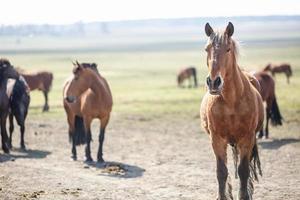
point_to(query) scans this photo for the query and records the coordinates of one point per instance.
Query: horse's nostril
(208, 81)
(217, 82)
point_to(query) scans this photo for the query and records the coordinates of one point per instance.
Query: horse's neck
(96, 84)
(233, 84)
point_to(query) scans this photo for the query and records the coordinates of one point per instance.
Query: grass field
(144, 81)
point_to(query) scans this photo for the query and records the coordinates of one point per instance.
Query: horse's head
(268, 67)
(79, 83)
(179, 79)
(220, 48)
(7, 70)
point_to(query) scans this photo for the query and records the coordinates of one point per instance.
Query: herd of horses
(231, 112)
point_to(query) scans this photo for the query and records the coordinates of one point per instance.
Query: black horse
(19, 103)
(6, 71)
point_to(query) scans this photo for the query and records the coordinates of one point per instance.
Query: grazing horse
(19, 103)
(283, 68)
(40, 81)
(231, 113)
(87, 96)
(6, 71)
(267, 93)
(187, 73)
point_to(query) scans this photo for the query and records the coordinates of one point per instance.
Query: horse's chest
(228, 118)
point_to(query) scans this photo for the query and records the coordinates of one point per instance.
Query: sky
(70, 11)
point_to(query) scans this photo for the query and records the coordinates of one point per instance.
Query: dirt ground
(147, 159)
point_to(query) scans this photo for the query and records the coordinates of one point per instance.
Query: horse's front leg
(220, 147)
(46, 106)
(11, 129)
(246, 185)
(104, 122)
(4, 133)
(88, 156)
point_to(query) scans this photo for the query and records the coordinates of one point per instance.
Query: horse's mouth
(215, 92)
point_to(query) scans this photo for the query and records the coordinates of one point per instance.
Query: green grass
(143, 81)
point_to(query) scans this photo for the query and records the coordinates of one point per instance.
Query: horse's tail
(255, 163)
(276, 118)
(79, 132)
(195, 77)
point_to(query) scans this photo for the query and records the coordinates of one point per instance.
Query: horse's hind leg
(46, 106)
(225, 189)
(22, 130)
(11, 129)
(267, 123)
(104, 122)
(4, 134)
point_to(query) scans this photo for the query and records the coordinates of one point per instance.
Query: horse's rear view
(231, 113)
(86, 96)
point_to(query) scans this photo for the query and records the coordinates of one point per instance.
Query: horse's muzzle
(70, 99)
(214, 86)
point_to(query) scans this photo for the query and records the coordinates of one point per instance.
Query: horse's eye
(228, 49)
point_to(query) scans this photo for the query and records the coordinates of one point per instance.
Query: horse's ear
(208, 29)
(229, 29)
(77, 67)
(94, 65)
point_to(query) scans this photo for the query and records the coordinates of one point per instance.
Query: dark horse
(267, 93)
(187, 73)
(6, 71)
(19, 103)
(283, 68)
(231, 113)
(40, 81)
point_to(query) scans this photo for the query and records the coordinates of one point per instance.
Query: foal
(283, 68)
(231, 113)
(187, 73)
(87, 96)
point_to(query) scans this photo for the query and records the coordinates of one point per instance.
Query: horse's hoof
(23, 148)
(74, 158)
(5, 149)
(100, 164)
(88, 160)
(100, 160)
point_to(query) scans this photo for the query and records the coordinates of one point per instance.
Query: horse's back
(39, 80)
(267, 84)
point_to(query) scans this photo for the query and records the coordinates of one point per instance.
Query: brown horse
(40, 81)
(187, 73)
(6, 71)
(231, 113)
(87, 96)
(283, 68)
(268, 95)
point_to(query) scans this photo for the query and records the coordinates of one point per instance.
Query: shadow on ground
(118, 170)
(19, 153)
(277, 143)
